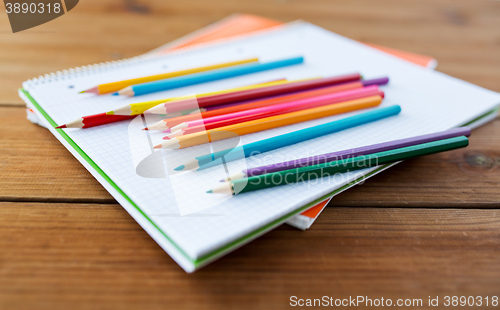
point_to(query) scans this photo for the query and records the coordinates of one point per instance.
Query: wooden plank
(462, 35)
(91, 256)
(466, 178)
(36, 167)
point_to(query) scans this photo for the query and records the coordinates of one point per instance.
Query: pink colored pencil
(287, 107)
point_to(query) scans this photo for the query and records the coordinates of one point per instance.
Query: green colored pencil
(330, 168)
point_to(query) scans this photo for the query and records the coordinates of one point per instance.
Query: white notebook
(195, 227)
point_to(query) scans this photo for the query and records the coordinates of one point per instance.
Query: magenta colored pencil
(290, 106)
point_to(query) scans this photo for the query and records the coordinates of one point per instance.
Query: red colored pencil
(96, 120)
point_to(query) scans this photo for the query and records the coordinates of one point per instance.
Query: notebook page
(430, 102)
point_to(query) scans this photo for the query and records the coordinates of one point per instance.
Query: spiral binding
(154, 54)
(88, 69)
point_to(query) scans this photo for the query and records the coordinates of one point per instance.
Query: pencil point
(93, 90)
(166, 138)
(210, 191)
(145, 128)
(191, 165)
(110, 113)
(115, 94)
(159, 146)
(180, 168)
(62, 126)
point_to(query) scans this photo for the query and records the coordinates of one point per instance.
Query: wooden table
(427, 227)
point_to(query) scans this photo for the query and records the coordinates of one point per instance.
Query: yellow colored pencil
(239, 129)
(116, 86)
(141, 107)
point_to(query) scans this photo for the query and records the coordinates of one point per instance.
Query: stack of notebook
(238, 25)
(196, 227)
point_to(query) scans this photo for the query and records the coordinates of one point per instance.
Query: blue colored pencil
(210, 160)
(204, 77)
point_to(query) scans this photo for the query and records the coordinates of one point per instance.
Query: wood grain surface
(427, 227)
(95, 256)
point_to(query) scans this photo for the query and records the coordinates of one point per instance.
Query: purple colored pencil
(364, 150)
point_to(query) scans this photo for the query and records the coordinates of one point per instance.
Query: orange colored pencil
(242, 106)
(174, 121)
(250, 117)
(269, 123)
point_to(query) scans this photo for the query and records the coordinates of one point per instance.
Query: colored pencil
(141, 107)
(266, 145)
(254, 116)
(263, 92)
(355, 152)
(308, 173)
(127, 110)
(246, 105)
(116, 86)
(104, 118)
(204, 77)
(289, 106)
(95, 120)
(269, 123)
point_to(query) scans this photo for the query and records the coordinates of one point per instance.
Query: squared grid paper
(430, 102)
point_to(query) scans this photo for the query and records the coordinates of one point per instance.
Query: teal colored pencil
(330, 168)
(207, 76)
(210, 160)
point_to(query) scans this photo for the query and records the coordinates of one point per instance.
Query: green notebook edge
(207, 258)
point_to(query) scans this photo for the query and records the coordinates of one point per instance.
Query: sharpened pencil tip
(145, 128)
(115, 94)
(210, 191)
(180, 168)
(166, 138)
(62, 126)
(110, 113)
(159, 146)
(81, 92)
